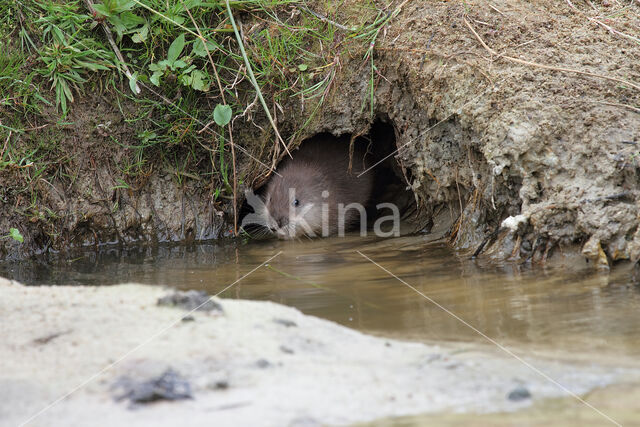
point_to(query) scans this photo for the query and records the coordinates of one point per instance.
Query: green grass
(56, 52)
(159, 40)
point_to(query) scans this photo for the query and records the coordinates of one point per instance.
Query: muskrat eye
(296, 202)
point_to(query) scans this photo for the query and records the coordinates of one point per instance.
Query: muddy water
(562, 309)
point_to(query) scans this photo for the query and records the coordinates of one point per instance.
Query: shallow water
(562, 310)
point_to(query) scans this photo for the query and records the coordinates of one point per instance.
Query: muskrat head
(293, 203)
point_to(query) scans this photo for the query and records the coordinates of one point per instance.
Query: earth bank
(516, 122)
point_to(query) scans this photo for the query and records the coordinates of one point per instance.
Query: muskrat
(315, 193)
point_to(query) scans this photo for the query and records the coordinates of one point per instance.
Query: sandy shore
(247, 363)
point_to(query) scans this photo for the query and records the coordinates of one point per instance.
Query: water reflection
(565, 307)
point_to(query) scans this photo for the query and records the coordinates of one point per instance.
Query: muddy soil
(518, 125)
(87, 200)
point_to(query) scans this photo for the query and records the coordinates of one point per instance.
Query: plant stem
(253, 78)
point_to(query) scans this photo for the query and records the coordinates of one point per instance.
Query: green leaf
(102, 10)
(93, 66)
(118, 25)
(43, 100)
(141, 35)
(147, 136)
(303, 67)
(132, 83)
(124, 5)
(155, 78)
(67, 91)
(174, 18)
(60, 98)
(58, 36)
(198, 83)
(178, 64)
(14, 233)
(131, 20)
(190, 4)
(199, 50)
(175, 49)
(164, 64)
(222, 114)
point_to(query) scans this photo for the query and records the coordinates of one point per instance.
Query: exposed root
(487, 241)
(547, 248)
(616, 104)
(516, 248)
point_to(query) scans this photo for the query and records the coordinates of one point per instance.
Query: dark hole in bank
(390, 181)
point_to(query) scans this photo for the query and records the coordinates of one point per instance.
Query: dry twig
(602, 24)
(230, 129)
(546, 67)
(616, 104)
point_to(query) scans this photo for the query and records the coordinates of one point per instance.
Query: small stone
(286, 322)
(190, 300)
(519, 393)
(218, 381)
(221, 385)
(168, 386)
(47, 338)
(286, 349)
(263, 363)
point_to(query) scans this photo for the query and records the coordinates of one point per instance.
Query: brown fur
(321, 164)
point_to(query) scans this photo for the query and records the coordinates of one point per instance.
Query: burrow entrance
(390, 181)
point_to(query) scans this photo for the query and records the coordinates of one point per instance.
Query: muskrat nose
(282, 222)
